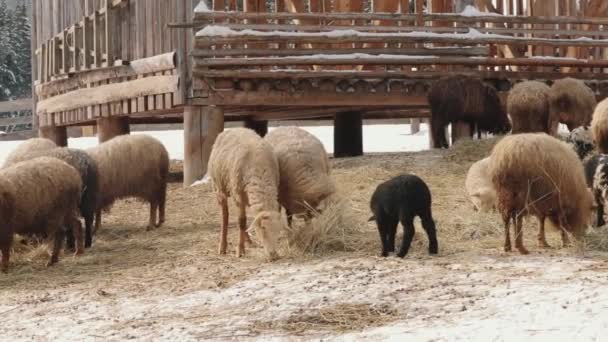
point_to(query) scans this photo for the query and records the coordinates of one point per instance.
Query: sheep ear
(373, 218)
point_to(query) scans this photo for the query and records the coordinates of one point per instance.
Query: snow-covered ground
(376, 138)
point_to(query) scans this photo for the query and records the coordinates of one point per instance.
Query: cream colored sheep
(572, 101)
(26, 148)
(244, 166)
(304, 170)
(529, 108)
(479, 186)
(599, 126)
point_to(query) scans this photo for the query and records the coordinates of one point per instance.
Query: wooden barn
(110, 63)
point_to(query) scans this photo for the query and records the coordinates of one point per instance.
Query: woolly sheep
(86, 167)
(530, 173)
(528, 106)
(596, 174)
(599, 126)
(244, 166)
(132, 166)
(27, 147)
(581, 140)
(479, 186)
(304, 170)
(46, 201)
(572, 102)
(467, 99)
(402, 199)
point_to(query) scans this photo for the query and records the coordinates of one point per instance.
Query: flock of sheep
(44, 188)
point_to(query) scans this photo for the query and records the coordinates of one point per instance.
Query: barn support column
(110, 127)
(259, 126)
(348, 134)
(414, 125)
(58, 134)
(460, 130)
(202, 125)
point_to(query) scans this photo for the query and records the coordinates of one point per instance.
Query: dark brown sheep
(465, 99)
(573, 102)
(536, 174)
(46, 201)
(7, 218)
(529, 108)
(132, 166)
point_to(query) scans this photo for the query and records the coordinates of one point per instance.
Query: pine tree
(7, 76)
(22, 47)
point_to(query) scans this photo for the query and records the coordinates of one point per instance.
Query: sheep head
(484, 200)
(267, 226)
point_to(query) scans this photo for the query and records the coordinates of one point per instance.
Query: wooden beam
(59, 135)
(159, 63)
(309, 98)
(201, 128)
(110, 127)
(152, 85)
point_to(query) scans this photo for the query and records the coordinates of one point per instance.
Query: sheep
(46, 200)
(401, 199)
(132, 166)
(468, 99)
(599, 126)
(528, 106)
(572, 102)
(304, 170)
(7, 218)
(86, 167)
(244, 166)
(596, 174)
(27, 147)
(581, 140)
(479, 186)
(530, 172)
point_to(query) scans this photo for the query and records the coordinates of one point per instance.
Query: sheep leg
(6, 251)
(407, 221)
(153, 211)
(542, 240)
(429, 226)
(244, 236)
(161, 205)
(97, 221)
(438, 133)
(289, 217)
(224, 229)
(386, 225)
(507, 220)
(88, 225)
(69, 240)
(565, 238)
(519, 242)
(75, 229)
(57, 242)
(599, 199)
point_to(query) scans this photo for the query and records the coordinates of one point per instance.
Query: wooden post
(348, 134)
(414, 126)
(110, 127)
(58, 134)
(259, 126)
(460, 130)
(89, 131)
(202, 125)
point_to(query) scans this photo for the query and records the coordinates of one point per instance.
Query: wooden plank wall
(140, 31)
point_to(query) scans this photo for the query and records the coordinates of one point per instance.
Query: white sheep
(304, 170)
(479, 186)
(244, 166)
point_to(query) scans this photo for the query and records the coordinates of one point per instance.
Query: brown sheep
(573, 102)
(538, 175)
(7, 218)
(27, 147)
(46, 201)
(465, 99)
(599, 126)
(132, 166)
(528, 106)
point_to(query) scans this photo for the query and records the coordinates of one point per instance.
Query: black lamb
(401, 199)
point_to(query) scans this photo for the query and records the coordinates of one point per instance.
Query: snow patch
(202, 7)
(205, 180)
(472, 11)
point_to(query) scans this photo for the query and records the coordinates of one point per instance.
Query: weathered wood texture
(88, 44)
(109, 128)
(202, 125)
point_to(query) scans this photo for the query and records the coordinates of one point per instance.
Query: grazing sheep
(528, 106)
(86, 167)
(401, 199)
(304, 170)
(599, 126)
(465, 99)
(46, 201)
(581, 141)
(27, 147)
(479, 186)
(536, 174)
(572, 102)
(596, 174)
(132, 166)
(244, 166)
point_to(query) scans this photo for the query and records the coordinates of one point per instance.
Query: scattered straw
(596, 239)
(341, 317)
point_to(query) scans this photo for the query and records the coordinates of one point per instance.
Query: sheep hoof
(384, 254)
(150, 227)
(79, 251)
(51, 263)
(522, 250)
(507, 248)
